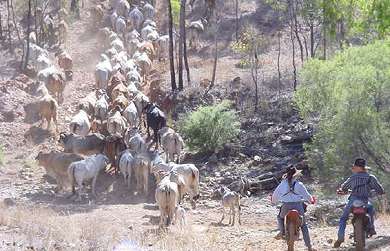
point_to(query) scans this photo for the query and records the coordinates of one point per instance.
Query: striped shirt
(361, 185)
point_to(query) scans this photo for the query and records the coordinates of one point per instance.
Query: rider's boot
(371, 232)
(338, 243)
(279, 236)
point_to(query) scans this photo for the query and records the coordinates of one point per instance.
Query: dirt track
(42, 220)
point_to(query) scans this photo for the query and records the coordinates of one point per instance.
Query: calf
(180, 216)
(230, 200)
(56, 165)
(155, 119)
(101, 107)
(90, 144)
(131, 115)
(47, 109)
(86, 169)
(142, 170)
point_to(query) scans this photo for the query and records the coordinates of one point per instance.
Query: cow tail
(71, 171)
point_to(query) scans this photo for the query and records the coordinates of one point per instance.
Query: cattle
(88, 103)
(113, 146)
(97, 14)
(136, 18)
(115, 80)
(80, 124)
(34, 52)
(148, 48)
(116, 123)
(101, 107)
(113, 17)
(120, 25)
(56, 165)
(126, 166)
(91, 144)
(134, 140)
(56, 85)
(123, 7)
(133, 34)
(119, 89)
(142, 170)
(98, 126)
(133, 76)
(103, 73)
(62, 32)
(131, 115)
(230, 200)
(194, 30)
(121, 101)
(155, 119)
(66, 64)
(42, 63)
(47, 108)
(132, 46)
(190, 175)
(148, 11)
(147, 30)
(167, 197)
(143, 63)
(180, 216)
(162, 47)
(86, 169)
(172, 143)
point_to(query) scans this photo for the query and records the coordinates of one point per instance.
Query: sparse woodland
(193, 98)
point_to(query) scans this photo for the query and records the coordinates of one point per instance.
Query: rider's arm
(374, 184)
(276, 194)
(301, 190)
(347, 185)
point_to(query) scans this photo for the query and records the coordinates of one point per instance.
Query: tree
(348, 99)
(25, 63)
(181, 42)
(171, 55)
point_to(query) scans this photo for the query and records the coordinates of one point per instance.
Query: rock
(9, 202)
(213, 159)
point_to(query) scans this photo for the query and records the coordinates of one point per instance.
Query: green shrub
(347, 97)
(210, 127)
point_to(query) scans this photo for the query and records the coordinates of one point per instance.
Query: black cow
(155, 118)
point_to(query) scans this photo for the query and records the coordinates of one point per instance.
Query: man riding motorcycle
(361, 184)
(292, 194)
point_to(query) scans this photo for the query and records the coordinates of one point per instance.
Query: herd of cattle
(107, 130)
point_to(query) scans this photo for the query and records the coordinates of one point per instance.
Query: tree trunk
(255, 75)
(237, 20)
(28, 35)
(293, 57)
(312, 54)
(171, 56)
(9, 25)
(215, 56)
(279, 74)
(14, 20)
(36, 22)
(1, 28)
(181, 42)
(294, 16)
(185, 47)
(324, 44)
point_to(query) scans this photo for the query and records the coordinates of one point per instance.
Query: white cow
(86, 169)
(126, 165)
(80, 124)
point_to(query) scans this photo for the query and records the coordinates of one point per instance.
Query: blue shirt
(361, 185)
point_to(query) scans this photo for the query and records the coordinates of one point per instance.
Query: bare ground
(40, 220)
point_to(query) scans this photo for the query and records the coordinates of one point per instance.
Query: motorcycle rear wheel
(291, 236)
(359, 233)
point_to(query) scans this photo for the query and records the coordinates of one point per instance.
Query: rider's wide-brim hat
(292, 169)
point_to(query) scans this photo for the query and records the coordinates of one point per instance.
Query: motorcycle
(293, 222)
(360, 221)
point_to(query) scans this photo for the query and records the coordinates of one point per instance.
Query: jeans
(283, 212)
(347, 211)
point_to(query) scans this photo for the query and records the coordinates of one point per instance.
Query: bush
(347, 98)
(210, 127)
